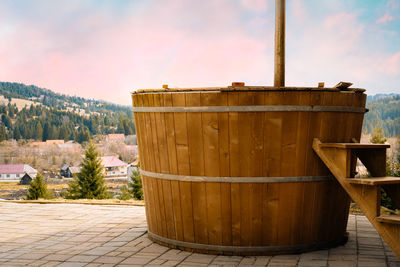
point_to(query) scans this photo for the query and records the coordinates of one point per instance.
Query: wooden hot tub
(232, 171)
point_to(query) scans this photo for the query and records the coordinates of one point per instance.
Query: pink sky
(104, 50)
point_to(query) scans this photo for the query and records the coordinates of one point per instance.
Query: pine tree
(398, 149)
(38, 134)
(135, 185)
(378, 137)
(37, 188)
(89, 182)
(2, 133)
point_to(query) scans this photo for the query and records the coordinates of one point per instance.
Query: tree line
(384, 113)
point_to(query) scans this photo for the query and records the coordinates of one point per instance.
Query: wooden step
(374, 180)
(354, 145)
(394, 219)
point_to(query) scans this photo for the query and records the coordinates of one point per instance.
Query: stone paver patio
(91, 235)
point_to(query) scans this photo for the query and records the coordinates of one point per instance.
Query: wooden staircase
(341, 158)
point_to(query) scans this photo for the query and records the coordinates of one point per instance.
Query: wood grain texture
(368, 197)
(244, 144)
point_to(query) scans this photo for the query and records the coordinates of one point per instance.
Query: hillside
(30, 112)
(384, 112)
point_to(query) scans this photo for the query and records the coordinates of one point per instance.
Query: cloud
(390, 65)
(99, 50)
(100, 56)
(299, 10)
(393, 4)
(385, 18)
(255, 5)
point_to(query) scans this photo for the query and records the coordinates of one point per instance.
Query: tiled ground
(87, 235)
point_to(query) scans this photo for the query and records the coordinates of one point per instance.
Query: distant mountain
(30, 112)
(384, 112)
(376, 97)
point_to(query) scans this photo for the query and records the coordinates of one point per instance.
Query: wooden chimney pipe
(279, 74)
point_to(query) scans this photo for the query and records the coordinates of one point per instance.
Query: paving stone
(100, 251)
(200, 258)
(170, 263)
(32, 256)
(93, 265)
(72, 264)
(312, 263)
(51, 264)
(37, 263)
(340, 263)
(156, 262)
(109, 259)
(175, 255)
(78, 235)
(136, 260)
(114, 244)
(83, 258)
(262, 260)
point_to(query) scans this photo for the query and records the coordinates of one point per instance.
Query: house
(26, 179)
(75, 170)
(65, 171)
(46, 143)
(114, 167)
(130, 149)
(55, 142)
(115, 138)
(16, 171)
(69, 171)
(134, 166)
(70, 146)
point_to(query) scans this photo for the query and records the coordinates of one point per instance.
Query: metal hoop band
(213, 179)
(242, 249)
(273, 108)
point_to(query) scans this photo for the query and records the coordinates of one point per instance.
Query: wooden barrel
(232, 170)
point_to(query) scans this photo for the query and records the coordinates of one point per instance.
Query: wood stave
(232, 227)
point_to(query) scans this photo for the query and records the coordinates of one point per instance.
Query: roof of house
(64, 167)
(75, 169)
(56, 141)
(130, 148)
(16, 168)
(115, 136)
(111, 161)
(70, 146)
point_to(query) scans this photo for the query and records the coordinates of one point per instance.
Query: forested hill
(30, 112)
(384, 112)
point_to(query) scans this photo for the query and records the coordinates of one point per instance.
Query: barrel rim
(249, 249)
(246, 89)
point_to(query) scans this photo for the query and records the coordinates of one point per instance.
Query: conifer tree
(378, 137)
(135, 185)
(37, 188)
(89, 182)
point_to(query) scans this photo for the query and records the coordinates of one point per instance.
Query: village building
(70, 146)
(134, 166)
(114, 167)
(130, 149)
(115, 138)
(16, 171)
(55, 142)
(26, 179)
(69, 171)
(47, 143)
